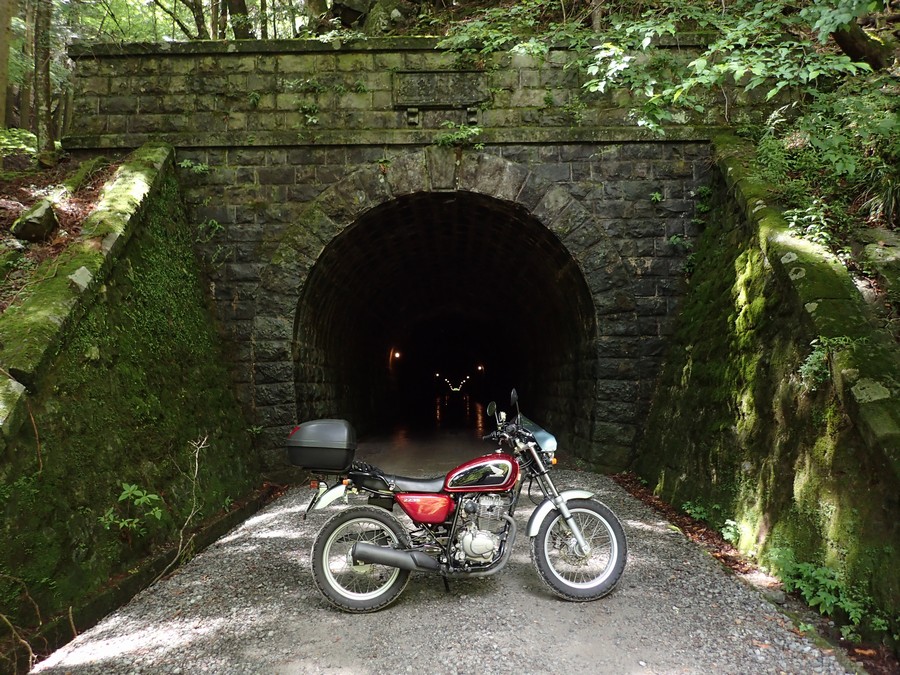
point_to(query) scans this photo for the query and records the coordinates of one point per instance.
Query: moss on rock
(131, 393)
(799, 470)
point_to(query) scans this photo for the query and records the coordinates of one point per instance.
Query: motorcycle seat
(373, 478)
(406, 484)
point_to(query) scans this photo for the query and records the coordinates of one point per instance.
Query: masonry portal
(442, 294)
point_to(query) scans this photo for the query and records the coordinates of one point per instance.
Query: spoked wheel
(562, 565)
(358, 587)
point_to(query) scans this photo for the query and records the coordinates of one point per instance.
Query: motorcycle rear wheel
(563, 569)
(358, 587)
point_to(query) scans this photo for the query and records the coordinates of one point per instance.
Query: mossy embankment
(113, 377)
(804, 472)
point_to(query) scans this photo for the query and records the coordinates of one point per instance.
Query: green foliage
(136, 505)
(522, 28)
(827, 16)
(576, 109)
(308, 85)
(815, 370)
(206, 231)
(338, 35)
(812, 223)
(460, 135)
(755, 45)
(823, 589)
(197, 168)
(17, 140)
(731, 532)
(696, 510)
(836, 156)
(498, 29)
(310, 113)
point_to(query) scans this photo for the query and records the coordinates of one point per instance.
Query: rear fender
(328, 497)
(546, 506)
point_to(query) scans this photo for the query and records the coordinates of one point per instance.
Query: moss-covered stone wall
(131, 391)
(804, 472)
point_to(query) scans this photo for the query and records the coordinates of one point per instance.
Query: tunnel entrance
(431, 304)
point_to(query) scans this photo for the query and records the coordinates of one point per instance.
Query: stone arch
(482, 176)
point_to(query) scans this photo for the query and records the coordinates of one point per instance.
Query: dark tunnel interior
(427, 290)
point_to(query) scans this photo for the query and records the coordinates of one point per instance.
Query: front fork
(550, 491)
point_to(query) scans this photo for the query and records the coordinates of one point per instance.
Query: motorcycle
(462, 523)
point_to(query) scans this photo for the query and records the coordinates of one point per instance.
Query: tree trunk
(25, 117)
(860, 46)
(596, 15)
(42, 111)
(240, 20)
(196, 8)
(315, 9)
(222, 30)
(263, 20)
(7, 10)
(214, 18)
(292, 13)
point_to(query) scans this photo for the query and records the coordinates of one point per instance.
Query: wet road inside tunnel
(443, 437)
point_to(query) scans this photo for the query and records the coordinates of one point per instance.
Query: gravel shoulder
(247, 604)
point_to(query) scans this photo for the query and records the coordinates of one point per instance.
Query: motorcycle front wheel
(360, 587)
(559, 561)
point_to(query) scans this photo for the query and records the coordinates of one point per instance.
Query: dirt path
(248, 605)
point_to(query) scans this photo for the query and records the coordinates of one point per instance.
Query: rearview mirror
(492, 408)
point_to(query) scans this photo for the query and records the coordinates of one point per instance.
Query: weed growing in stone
(815, 370)
(460, 135)
(198, 168)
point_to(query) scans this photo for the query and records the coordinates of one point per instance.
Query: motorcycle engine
(479, 537)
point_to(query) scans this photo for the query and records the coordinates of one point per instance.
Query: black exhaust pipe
(415, 561)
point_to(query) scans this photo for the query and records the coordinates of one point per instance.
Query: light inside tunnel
(459, 279)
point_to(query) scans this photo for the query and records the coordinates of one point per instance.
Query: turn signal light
(346, 481)
(553, 461)
(314, 485)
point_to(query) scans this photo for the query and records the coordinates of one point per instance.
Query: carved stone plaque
(439, 89)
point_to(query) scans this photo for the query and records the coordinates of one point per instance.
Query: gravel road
(248, 604)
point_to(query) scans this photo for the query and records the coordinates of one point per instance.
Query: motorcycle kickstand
(446, 584)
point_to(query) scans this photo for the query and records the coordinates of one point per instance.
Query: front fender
(546, 506)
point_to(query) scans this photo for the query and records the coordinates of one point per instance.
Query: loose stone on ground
(248, 605)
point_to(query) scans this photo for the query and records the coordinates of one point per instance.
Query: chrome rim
(563, 555)
(360, 581)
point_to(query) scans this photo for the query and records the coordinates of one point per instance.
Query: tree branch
(172, 15)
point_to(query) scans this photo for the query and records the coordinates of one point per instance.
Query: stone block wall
(264, 129)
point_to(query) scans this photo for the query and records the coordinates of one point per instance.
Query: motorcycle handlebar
(500, 435)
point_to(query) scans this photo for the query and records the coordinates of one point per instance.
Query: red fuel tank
(491, 473)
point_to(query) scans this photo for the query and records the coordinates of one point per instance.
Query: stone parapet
(31, 333)
(865, 370)
(371, 92)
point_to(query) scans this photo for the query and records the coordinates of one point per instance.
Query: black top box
(322, 446)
